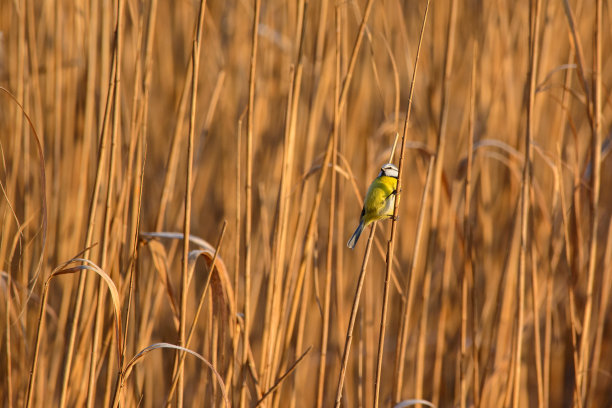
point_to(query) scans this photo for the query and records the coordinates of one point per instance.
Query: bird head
(389, 170)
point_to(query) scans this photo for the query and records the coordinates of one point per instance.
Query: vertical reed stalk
(249, 200)
(534, 28)
(432, 245)
(585, 338)
(93, 207)
(468, 270)
(353, 318)
(195, 57)
(391, 244)
(413, 278)
(91, 389)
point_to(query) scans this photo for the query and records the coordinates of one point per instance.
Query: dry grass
(118, 159)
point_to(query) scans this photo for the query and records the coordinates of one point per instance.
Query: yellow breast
(379, 199)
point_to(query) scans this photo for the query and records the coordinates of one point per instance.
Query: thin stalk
(91, 389)
(238, 227)
(195, 57)
(354, 309)
(400, 352)
(536, 329)
(41, 318)
(7, 331)
(330, 226)
(249, 200)
(210, 271)
(445, 294)
(468, 272)
(603, 307)
(287, 175)
(93, 206)
(313, 217)
(432, 245)
(391, 244)
(585, 339)
(173, 155)
(526, 186)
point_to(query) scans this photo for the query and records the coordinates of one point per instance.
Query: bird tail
(355, 237)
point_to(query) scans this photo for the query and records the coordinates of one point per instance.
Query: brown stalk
(310, 229)
(536, 328)
(249, 199)
(210, 271)
(585, 339)
(273, 297)
(444, 295)
(173, 155)
(571, 295)
(606, 284)
(91, 389)
(580, 58)
(237, 268)
(287, 176)
(195, 57)
(468, 232)
(353, 318)
(278, 382)
(299, 341)
(331, 221)
(400, 352)
(432, 245)
(468, 272)
(90, 232)
(534, 29)
(391, 244)
(558, 206)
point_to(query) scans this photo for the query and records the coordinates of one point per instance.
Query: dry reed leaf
(219, 282)
(160, 261)
(109, 283)
(208, 252)
(142, 353)
(411, 402)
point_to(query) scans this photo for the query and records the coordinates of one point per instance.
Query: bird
(379, 200)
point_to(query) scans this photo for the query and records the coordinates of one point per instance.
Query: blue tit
(379, 200)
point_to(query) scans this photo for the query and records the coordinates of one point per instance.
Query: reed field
(255, 128)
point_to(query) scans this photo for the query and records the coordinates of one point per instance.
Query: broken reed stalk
(195, 57)
(391, 244)
(534, 28)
